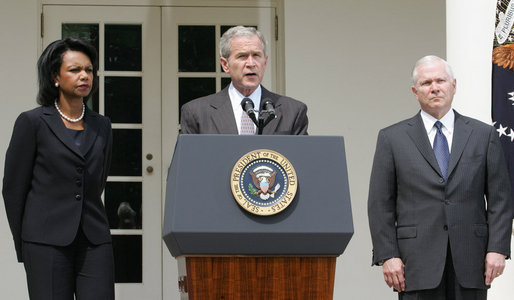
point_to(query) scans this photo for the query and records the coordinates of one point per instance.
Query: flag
(503, 81)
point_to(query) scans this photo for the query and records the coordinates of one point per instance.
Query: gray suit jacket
(213, 114)
(413, 213)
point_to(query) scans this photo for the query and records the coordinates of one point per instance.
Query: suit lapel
(461, 134)
(91, 129)
(272, 125)
(223, 114)
(51, 117)
(418, 135)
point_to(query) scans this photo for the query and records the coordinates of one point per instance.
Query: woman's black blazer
(51, 187)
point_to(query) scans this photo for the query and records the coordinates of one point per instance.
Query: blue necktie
(441, 151)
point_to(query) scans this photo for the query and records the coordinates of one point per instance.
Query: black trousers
(81, 269)
(448, 289)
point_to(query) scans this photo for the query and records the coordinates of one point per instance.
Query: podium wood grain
(258, 277)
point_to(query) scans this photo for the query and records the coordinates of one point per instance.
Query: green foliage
(252, 189)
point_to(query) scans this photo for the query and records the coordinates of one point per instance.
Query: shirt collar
(448, 121)
(236, 97)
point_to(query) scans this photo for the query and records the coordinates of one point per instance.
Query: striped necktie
(441, 150)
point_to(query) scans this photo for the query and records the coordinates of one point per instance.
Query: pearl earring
(57, 84)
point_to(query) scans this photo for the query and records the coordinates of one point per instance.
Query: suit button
(78, 182)
(441, 180)
(445, 227)
(79, 170)
(447, 202)
(78, 197)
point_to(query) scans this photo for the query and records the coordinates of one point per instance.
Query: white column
(469, 42)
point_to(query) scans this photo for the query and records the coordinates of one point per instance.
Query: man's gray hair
(430, 59)
(226, 38)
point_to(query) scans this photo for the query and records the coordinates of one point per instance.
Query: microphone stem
(268, 119)
(260, 126)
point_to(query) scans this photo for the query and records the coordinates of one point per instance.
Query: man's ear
(224, 65)
(413, 88)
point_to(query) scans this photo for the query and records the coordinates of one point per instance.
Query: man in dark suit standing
(439, 197)
(243, 56)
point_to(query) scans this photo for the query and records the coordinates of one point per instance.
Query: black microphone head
(268, 105)
(247, 105)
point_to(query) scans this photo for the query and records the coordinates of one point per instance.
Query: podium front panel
(202, 217)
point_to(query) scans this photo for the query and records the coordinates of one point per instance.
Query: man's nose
(434, 87)
(250, 61)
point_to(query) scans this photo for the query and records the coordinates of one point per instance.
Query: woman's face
(75, 76)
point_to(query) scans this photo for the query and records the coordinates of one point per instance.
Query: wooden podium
(225, 252)
(257, 277)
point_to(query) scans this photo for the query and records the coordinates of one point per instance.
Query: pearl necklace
(68, 118)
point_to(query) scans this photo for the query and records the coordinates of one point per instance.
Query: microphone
(268, 106)
(248, 107)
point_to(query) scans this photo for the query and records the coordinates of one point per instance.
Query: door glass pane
(197, 48)
(123, 99)
(192, 88)
(224, 28)
(126, 152)
(128, 250)
(86, 32)
(123, 204)
(92, 101)
(123, 48)
(89, 33)
(225, 81)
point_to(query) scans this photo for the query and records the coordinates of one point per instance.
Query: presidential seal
(263, 182)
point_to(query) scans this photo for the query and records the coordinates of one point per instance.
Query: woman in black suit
(56, 167)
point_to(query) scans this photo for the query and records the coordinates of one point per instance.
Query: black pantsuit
(52, 192)
(56, 273)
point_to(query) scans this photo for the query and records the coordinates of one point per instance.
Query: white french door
(128, 42)
(191, 68)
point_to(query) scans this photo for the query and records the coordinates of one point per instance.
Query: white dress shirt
(236, 97)
(448, 121)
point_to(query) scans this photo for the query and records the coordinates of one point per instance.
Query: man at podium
(243, 56)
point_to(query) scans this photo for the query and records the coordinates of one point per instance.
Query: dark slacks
(448, 289)
(80, 269)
